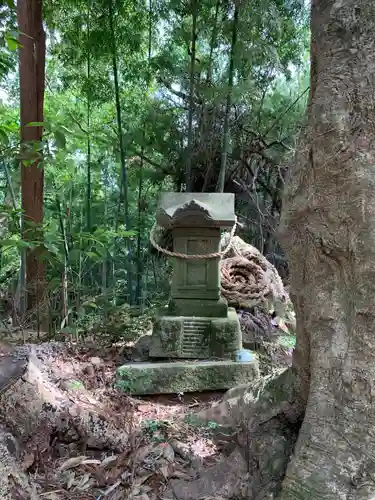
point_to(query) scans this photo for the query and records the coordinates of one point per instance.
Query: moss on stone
(166, 334)
(226, 336)
(164, 378)
(218, 338)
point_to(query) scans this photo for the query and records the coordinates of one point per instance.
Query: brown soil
(163, 445)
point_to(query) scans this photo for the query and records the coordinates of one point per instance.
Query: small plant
(75, 384)
(155, 428)
(288, 341)
(212, 425)
(195, 421)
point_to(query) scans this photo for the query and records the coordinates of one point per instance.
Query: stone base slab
(184, 376)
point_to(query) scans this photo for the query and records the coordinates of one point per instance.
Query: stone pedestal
(182, 376)
(196, 337)
(197, 325)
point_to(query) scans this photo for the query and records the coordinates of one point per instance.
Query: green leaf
(11, 4)
(60, 139)
(127, 234)
(12, 43)
(35, 124)
(4, 137)
(90, 304)
(11, 243)
(74, 254)
(51, 248)
(66, 130)
(93, 255)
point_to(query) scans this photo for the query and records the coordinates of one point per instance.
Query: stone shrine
(197, 324)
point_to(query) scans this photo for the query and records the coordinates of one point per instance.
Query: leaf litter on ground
(161, 447)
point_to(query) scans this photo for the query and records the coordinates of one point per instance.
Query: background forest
(140, 97)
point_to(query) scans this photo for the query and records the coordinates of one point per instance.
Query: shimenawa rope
(214, 255)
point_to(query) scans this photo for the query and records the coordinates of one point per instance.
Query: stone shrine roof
(196, 210)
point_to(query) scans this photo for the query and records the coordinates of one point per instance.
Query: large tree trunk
(328, 225)
(31, 71)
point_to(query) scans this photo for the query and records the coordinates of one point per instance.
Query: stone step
(184, 376)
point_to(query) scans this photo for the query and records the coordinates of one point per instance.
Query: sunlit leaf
(60, 139)
(12, 42)
(35, 124)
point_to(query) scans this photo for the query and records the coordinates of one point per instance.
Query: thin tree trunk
(207, 120)
(31, 76)
(66, 270)
(88, 214)
(80, 264)
(213, 43)
(189, 170)
(138, 288)
(124, 180)
(138, 293)
(226, 132)
(104, 286)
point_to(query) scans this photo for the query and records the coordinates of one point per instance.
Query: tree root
(268, 418)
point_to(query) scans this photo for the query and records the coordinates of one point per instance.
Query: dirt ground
(166, 441)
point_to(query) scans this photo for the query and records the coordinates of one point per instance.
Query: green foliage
(80, 153)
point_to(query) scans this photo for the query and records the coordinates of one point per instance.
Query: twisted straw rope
(244, 280)
(214, 255)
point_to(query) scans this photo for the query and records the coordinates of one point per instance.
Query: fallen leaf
(147, 489)
(168, 452)
(142, 496)
(109, 460)
(141, 454)
(71, 463)
(141, 472)
(140, 480)
(164, 471)
(70, 480)
(178, 474)
(111, 488)
(28, 461)
(84, 483)
(135, 491)
(182, 449)
(91, 461)
(144, 408)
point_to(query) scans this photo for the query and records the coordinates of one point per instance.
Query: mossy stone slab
(184, 376)
(196, 337)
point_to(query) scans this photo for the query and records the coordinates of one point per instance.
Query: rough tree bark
(31, 76)
(328, 227)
